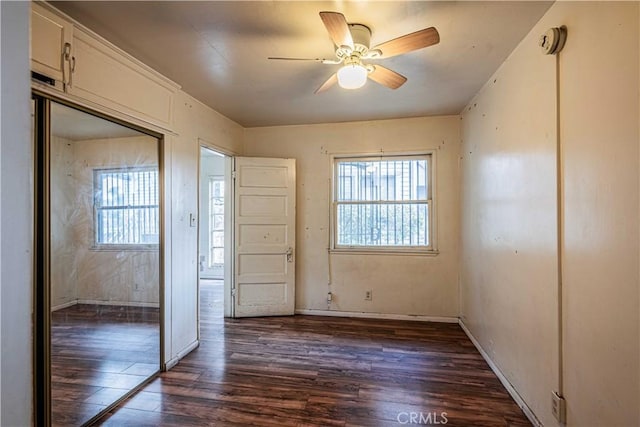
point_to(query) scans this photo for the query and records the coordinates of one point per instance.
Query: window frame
(211, 220)
(430, 250)
(96, 246)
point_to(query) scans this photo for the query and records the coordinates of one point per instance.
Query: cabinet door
(108, 77)
(49, 34)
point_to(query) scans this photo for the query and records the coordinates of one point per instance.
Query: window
(216, 221)
(126, 206)
(383, 203)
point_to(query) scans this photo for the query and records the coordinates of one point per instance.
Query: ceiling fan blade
(279, 58)
(407, 43)
(387, 77)
(322, 60)
(330, 82)
(338, 28)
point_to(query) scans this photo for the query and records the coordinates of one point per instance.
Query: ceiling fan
(352, 48)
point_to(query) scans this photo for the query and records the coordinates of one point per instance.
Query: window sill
(370, 251)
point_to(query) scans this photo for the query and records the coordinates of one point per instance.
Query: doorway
(214, 236)
(247, 205)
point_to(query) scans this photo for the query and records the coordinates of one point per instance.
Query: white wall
(17, 217)
(599, 134)
(509, 253)
(509, 280)
(195, 124)
(64, 213)
(401, 285)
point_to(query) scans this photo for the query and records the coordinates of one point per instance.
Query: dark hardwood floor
(98, 354)
(322, 371)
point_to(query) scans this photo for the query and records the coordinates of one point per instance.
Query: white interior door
(264, 236)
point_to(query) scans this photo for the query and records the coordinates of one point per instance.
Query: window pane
(374, 224)
(216, 221)
(217, 206)
(382, 180)
(218, 256)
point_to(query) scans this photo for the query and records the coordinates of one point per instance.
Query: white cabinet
(51, 44)
(88, 68)
(107, 76)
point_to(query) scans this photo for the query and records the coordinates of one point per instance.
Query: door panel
(268, 207)
(264, 236)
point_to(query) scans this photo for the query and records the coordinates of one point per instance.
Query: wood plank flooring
(98, 354)
(322, 371)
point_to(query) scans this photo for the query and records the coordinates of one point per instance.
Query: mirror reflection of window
(126, 205)
(104, 262)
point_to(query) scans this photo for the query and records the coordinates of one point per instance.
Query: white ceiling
(218, 52)
(77, 125)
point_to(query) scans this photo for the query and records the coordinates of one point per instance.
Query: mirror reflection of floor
(98, 353)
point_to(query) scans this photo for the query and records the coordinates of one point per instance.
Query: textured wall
(509, 262)
(509, 252)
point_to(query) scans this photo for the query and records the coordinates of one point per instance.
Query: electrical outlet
(368, 295)
(558, 407)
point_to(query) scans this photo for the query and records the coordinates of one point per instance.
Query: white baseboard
(125, 303)
(503, 379)
(170, 364)
(181, 354)
(362, 314)
(64, 305)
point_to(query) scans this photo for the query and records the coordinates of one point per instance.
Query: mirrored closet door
(103, 210)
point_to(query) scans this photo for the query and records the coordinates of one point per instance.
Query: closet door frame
(41, 140)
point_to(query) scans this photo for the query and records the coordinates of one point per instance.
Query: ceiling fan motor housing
(361, 35)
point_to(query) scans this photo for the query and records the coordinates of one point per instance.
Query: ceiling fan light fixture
(352, 76)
